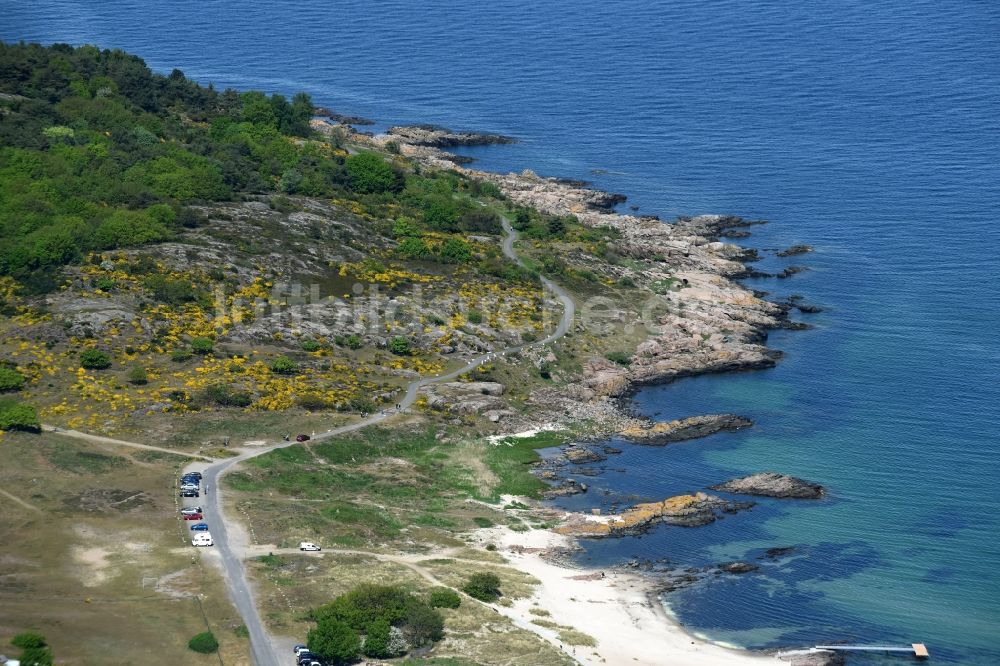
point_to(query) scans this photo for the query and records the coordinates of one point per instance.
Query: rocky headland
(667, 432)
(681, 510)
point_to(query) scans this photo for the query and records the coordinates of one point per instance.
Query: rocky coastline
(710, 324)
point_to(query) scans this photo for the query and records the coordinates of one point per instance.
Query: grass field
(84, 527)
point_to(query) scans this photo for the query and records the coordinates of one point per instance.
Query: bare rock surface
(682, 510)
(440, 137)
(683, 429)
(772, 484)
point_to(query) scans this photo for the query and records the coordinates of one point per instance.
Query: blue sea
(870, 130)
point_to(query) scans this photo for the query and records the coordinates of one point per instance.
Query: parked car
(309, 545)
(300, 648)
(196, 475)
(193, 516)
(190, 479)
(199, 527)
(305, 658)
(202, 539)
(302, 438)
(189, 486)
(189, 493)
(191, 509)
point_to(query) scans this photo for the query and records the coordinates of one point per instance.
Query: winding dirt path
(231, 547)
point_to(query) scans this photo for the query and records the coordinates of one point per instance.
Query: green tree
(204, 643)
(440, 212)
(484, 586)
(423, 625)
(377, 637)
(95, 359)
(10, 379)
(335, 641)
(370, 174)
(455, 250)
(399, 346)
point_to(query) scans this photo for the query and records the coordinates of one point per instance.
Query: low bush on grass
(18, 416)
(10, 379)
(619, 357)
(34, 649)
(94, 359)
(227, 395)
(484, 586)
(137, 375)
(202, 346)
(443, 597)
(283, 365)
(204, 643)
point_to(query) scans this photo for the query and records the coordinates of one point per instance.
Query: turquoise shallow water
(869, 130)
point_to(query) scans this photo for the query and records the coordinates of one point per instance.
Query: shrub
(443, 597)
(483, 586)
(399, 346)
(619, 357)
(482, 220)
(204, 643)
(370, 174)
(354, 341)
(312, 402)
(413, 247)
(227, 395)
(310, 345)
(180, 355)
(94, 359)
(283, 365)
(10, 379)
(475, 317)
(137, 375)
(202, 346)
(35, 650)
(455, 250)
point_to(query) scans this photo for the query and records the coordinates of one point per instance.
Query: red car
(193, 516)
(302, 438)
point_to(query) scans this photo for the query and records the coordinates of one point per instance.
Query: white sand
(629, 625)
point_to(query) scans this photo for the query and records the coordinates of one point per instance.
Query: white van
(202, 539)
(309, 545)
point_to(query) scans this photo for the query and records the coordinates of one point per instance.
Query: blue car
(200, 527)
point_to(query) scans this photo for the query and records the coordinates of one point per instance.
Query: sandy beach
(618, 610)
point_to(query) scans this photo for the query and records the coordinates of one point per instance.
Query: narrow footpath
(262, 645)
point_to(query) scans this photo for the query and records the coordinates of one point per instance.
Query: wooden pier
(918, 650)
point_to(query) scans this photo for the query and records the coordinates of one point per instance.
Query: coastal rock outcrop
(679, 430)
(682, 510)
(794, 250)
(772, 484)
(440, 137)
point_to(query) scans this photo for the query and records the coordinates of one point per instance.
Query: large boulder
(772, 484)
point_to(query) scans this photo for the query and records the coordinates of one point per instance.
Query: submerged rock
(794, 250)
(692, 427)
(772, 484)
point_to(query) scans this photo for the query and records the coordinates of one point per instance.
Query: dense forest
(99, 152)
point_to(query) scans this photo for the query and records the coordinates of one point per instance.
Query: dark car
(190, 479)
(302, 438)
(196, 475)
(190, 493)
(300, 648)
(304, 658)
(193, 516)
(199, 527)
